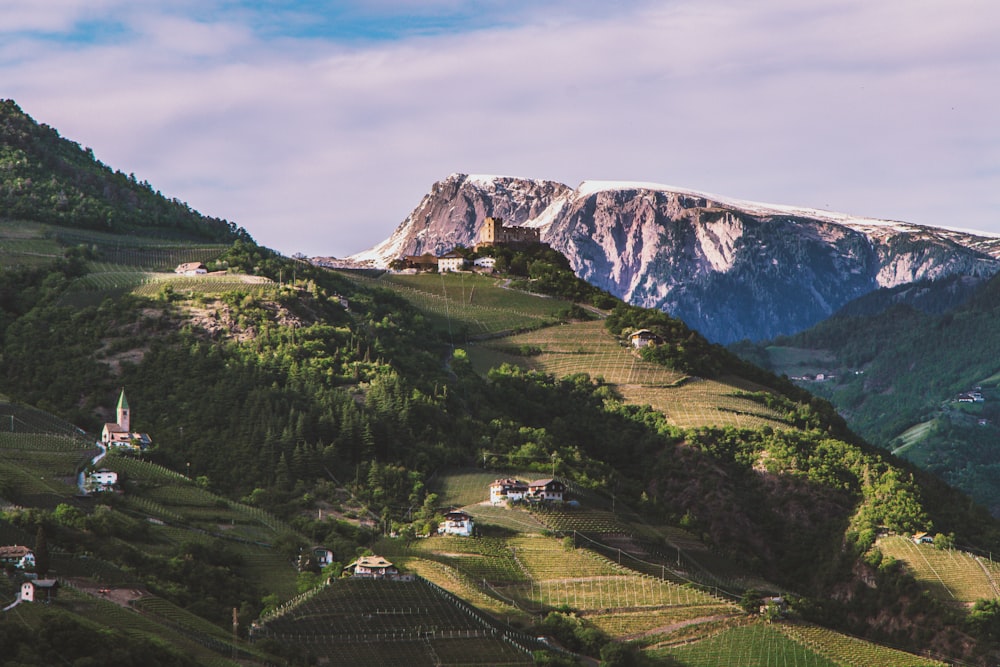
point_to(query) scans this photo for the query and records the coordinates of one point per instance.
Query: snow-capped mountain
(731, 269)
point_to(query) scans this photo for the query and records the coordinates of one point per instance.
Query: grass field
(951, 575)
(799, 361)
(912, 436)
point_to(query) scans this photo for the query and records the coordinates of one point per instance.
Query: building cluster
(492, 233)
(507, 490)
(974, 396)
(119, 433)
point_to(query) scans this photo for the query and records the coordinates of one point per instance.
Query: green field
(799, 361)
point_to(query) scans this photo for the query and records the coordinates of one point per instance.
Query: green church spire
(122, 403)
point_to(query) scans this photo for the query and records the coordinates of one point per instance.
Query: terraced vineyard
(104, 614)
(850, 651)
(40, 468)
(750, 645)
(26, 244)
(586, 347)
(213, 285)
(378, 622)
(469, 305)
(15, 418)
(575, 519)
(515, 519)
(951, 575)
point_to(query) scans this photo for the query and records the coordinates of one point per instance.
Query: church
(119, 434)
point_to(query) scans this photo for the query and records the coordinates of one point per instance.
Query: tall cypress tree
(42, 559)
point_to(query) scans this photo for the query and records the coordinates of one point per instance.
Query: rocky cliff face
(729, 268)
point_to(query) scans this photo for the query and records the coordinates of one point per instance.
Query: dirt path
(121, 596)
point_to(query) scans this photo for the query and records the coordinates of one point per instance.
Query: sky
(318, 126)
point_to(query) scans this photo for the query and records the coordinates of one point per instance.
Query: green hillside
(290, 407)
(701, 478)
(46, 178)
(897, 374)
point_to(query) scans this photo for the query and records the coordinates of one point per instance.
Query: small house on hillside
(546, 490)
(456, 522)
(39, 590)
(191, 269)
(643, 338)
(488, 263)
(19, 556)
(372, 567)
(923, 538)
(507, 489)
(450, 261)
(102, 480)
(322, 556)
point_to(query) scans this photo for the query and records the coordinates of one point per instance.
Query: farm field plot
(207, 285)
(799, 361)
(851, 651)
(569, 519)
(357, 609)
(513, 519)
(546, 558)
(461, 487)
(586, 347)
(626, 591)
(103, 613)
(658, 621)
(951, 575)
(699, 402)
(16, 418)
(470, 304)
(458, 584)
(753, 645)
(25, 244)
(582, 347)
(482, 558)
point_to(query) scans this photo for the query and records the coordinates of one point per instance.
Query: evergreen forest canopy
(46, 178)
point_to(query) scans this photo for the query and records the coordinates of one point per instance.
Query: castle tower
(492, 231)
(123, 412)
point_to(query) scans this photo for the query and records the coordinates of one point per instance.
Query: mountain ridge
(730, 268)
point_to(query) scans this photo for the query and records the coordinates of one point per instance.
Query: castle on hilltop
(494, 232)
(119, 434)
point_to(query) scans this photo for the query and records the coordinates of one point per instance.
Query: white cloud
(882, 109)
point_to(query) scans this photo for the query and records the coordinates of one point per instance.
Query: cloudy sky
(319, 125)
